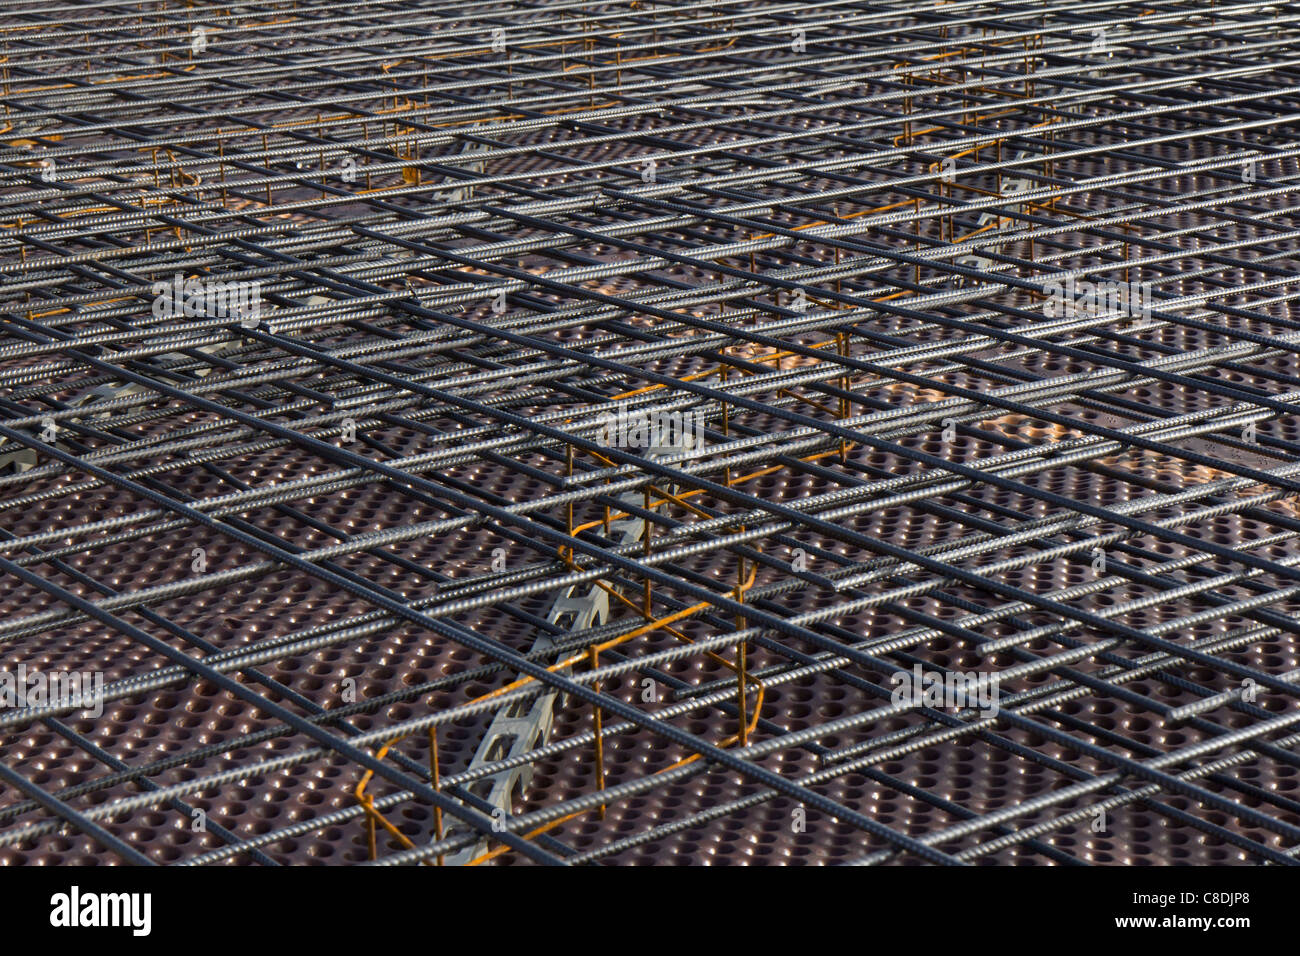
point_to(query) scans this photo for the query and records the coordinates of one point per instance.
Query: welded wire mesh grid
(328, 333)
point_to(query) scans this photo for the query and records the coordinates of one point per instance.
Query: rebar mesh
(802, 349)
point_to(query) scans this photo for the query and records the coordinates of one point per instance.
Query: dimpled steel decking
(311, 532)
